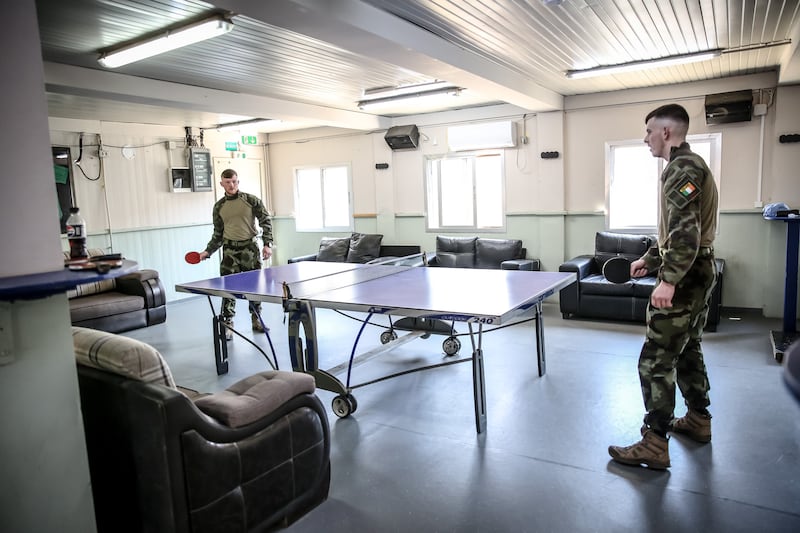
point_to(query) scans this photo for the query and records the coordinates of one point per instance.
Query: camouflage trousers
(239, 258)
(671, 353)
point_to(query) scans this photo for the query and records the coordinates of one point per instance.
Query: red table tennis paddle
(617, 270)
(192, 258)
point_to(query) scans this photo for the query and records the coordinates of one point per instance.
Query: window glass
(465, 192)
(632, 180)
(322, 199)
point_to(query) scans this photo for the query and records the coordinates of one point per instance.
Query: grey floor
(410, 459)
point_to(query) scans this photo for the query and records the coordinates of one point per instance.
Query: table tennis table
(428, 295)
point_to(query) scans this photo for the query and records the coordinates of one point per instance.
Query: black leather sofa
(593, 296)
(254, 457)
(358, 248)
(479, 252)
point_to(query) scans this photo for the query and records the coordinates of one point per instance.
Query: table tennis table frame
(301, 314)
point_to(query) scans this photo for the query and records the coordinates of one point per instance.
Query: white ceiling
(307, 62)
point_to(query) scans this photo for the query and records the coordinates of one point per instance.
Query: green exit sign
(249, 139)
(231, 146)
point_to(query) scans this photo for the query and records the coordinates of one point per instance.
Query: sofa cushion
(96, 287)
(490, 253)
(456, 252)
(120, 355)
(104, 304)
(631, 246)
(252, 398)
(333, 249)
(455, 244)
(364, 247)
(598, 285)
(455, 260)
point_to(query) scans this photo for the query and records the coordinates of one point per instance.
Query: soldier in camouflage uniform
(678, 307)
(234, 217)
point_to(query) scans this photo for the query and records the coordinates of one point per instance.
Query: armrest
(309, 257)
(144, 283)
(582, 264)
(140, 275)
(520, 264)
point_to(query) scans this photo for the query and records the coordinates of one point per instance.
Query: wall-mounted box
(180, 179)
(201, 169)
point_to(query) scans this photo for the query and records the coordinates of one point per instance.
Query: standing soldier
(234, 216)
(678, 307)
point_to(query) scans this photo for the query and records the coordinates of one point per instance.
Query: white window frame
(433, 194)
(322, 206)
(715, 152)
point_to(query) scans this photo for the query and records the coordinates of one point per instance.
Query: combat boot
(257, 327)
(694, 425)
(228, 323)
(652, 451)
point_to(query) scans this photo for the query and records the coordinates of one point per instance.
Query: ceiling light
(164, 42)
(644, 64)
(375, 97)
(250, 124)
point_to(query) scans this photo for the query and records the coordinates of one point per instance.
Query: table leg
(478, 379)
(220, 346)
(540, 339)
(781, 340)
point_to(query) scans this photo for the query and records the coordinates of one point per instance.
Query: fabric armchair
(162, 458)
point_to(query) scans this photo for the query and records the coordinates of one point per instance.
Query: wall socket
(102, 153)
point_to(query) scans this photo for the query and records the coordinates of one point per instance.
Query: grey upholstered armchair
(250, 458)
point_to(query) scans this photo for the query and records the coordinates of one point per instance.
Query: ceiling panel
(312, 59)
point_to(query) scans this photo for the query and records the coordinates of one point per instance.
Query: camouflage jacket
(687, 215)
(242, 226)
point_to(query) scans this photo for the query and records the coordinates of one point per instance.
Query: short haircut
(228, 173)
(674, 111)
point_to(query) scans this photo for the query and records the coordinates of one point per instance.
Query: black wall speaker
(401, 137)
(724, 108)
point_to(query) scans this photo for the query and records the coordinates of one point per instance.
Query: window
(632, 178)
(465, 192)
(322, 199)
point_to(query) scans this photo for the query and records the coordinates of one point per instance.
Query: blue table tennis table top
(460, 294)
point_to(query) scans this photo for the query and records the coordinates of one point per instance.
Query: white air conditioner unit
(482, 136)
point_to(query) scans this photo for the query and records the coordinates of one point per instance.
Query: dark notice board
(200, 165)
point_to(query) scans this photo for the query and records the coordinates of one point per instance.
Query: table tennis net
(308, 288)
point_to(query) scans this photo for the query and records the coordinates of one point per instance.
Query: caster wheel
(353, 402)
(343, 405)
(388, 336)
(451, 345)
(426, 335)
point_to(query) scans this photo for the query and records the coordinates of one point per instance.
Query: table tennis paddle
(617, 270)
(192, 258)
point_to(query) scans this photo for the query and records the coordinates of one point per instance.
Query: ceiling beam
(79, 81)
(365, 30)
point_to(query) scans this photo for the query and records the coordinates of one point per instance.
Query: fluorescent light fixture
(169, 40)
(250, 124)
(681, 59)
(374, 97)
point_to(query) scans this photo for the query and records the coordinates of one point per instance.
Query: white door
(250, 173)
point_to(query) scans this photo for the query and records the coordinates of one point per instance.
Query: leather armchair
(161, 458)
(593, 296)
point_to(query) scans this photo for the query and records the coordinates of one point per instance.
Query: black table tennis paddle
(617, 270)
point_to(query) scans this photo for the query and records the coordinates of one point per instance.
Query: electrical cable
(80, 157)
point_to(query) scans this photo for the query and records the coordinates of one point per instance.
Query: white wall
(555, 206)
